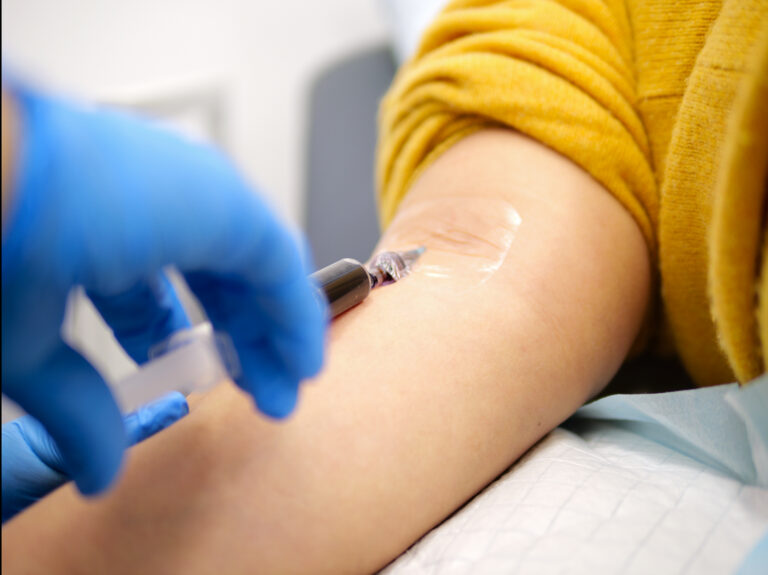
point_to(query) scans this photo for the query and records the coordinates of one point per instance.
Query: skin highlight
(448, 228)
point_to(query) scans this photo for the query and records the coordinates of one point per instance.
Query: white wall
(254, 57)
(236, 71)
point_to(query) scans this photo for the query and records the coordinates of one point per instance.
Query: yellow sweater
(664, 102)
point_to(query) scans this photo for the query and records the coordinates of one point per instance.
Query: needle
(388, 267)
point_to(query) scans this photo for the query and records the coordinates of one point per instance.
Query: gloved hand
(32, 465)
(105, 200)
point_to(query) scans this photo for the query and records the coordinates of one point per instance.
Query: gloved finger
(270, 288)
(275, 393)
(298, 326)
(278, 333)
(145, 422)
(26, 477)
(290, 322)
(143, 315)
(239, 239)
(78, 411)
(155, 416)
(32, 465)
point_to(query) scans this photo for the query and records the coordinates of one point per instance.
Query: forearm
(433, 386)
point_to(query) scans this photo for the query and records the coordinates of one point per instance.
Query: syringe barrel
(345, 284)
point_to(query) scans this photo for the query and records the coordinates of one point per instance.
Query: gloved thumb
(77, 409)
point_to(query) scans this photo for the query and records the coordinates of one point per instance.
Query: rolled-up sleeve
(559, 71)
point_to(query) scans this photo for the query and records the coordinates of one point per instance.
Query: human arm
(433, 386)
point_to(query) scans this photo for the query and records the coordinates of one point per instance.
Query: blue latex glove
(33, 466)
(105, 200)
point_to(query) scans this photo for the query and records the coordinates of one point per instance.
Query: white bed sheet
(617, 492)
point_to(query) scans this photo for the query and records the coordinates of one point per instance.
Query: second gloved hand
(33, 466)
(105, 200)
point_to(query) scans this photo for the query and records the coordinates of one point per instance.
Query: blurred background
(288, 88)
(236, 71)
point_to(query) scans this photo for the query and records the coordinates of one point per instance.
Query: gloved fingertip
(312, 361)
(279, 402)
(302, 357)
(155, 416)
(168, 408)
(81, 416)
(93, 482)
(322, 308)
(316, 355)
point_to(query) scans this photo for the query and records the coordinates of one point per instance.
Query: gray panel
(340, 218)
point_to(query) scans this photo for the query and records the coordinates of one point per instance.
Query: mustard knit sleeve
(558, 71)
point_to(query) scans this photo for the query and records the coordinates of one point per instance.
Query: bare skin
(432, 387)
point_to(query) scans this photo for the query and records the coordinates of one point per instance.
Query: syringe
(198, 358)
(347, 282)
(192, 359)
